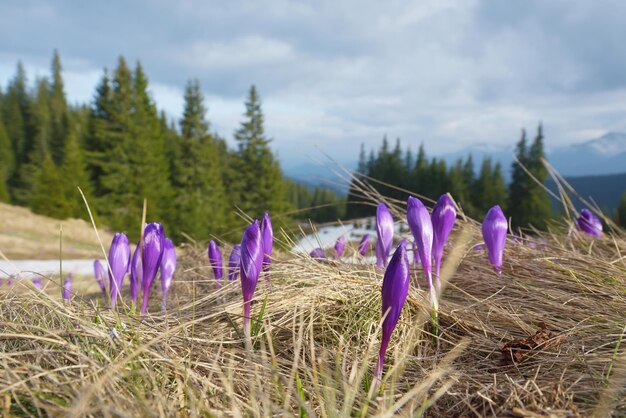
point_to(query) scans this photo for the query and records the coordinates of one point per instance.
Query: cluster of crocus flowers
(251, 264)
(394, 292)
(384, 232)
(443, 219)
(340, 245)
(494, 230)
(119, 259)
(168, 265)
(364, 244)
(215, 260)
(589, 223)
(67, 287)
(136, 270)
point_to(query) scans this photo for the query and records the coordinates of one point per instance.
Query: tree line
(524, 200)
(120, 149)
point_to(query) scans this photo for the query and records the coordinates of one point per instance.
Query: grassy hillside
(24, 235)
(315, 348)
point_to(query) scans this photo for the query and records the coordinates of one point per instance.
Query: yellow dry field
(24, 235)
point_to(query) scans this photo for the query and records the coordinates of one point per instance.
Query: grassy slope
(317, 347)
(24, 235)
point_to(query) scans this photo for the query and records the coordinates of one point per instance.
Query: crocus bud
(416, 255)
(421, 227)
(394, 291)
(119, 257)
(233, 263)
(364, 244)
(589, 223)
(494, 234)
(318, 253)
(151, 253)
(268, 240)
(67, 287)
(136, 269)
(443, 218)
(384, 231)
(99, 274)
(251, 264)
(168, 265)
(37, 283)
(215, 260)
(339, 247)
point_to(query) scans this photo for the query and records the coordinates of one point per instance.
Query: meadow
(544, 338)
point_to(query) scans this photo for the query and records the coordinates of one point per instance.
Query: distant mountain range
(600, 156)
(604, 191)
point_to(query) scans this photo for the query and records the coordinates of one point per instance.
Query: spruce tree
(539, 206)
(6, 163)
(48, 191)
(259, 180)
(201, 199)
(74, 175)
(15, 117)
(58, 112)
(518, 188)
(621, 211)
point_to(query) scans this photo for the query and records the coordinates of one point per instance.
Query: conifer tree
(15, 117)
(58, 112)
(48, 191)
(539, 206)
(201, 198)
(6, 163)
(74, 175)
(621, 211)
(259, 181)
(518, 188)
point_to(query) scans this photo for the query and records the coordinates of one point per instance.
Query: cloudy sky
(333, 74)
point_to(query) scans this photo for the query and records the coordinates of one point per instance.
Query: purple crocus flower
(394, 292)
(233, 263)
(267, 236)
(364, 244)
(151, 254)
(67, 287)
(384, 230)
(168, 265)
(215, 259)
(421, 227)
(443, 218)
(494, 234)
(589, 223)
(37, 283)
(99, 274)
(136, 269)
(251, 264)
(119, 257)
(340, 245)
(318, 253)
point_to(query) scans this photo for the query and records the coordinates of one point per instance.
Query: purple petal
(318, 253)
(215, 260)
(168, 265)
(151, 253)
(119, 257)
(494, 230)
(136, 269)
(100, 274)
(67, 287)
(421, 227)
(364, 244)
(394, 292)
(340, 245)
(37, 283)
(589, 223)
(233, 263)
(251, 260)
(443, 218)
(384, 231)
(268, 239)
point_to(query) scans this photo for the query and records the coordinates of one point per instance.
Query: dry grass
(316, 348)
(24, 235)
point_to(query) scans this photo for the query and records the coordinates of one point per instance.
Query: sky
(335, 74)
